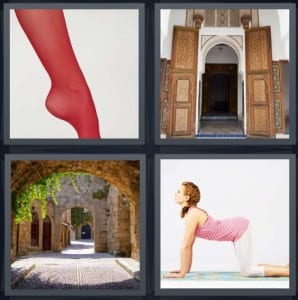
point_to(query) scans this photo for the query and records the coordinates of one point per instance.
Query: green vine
(48, 186)
(80, 217)
(101, 194)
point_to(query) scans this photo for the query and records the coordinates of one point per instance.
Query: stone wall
(119, 237)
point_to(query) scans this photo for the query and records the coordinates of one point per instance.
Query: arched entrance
(221, 88)
(86, 232)
(46, 236)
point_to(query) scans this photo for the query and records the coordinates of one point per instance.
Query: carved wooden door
(259, 95)
(183, 82)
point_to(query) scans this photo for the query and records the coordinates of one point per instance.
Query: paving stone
(75, 268)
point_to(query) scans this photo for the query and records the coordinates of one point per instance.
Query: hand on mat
(174, 275)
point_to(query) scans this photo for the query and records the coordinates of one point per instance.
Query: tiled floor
(221, 127)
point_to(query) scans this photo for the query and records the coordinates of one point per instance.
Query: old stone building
(221, 65)
(115, 225)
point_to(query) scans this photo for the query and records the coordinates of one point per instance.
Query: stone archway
(66, 201)
(124, 175)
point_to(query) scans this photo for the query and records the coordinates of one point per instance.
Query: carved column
(198, 18)
(245, 18)
(245, 21)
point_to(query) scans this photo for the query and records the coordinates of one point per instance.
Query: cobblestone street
(76, 267)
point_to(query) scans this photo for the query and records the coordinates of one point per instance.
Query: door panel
(259, 100)
(182, 82)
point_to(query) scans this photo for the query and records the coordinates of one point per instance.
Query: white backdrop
(254, 188)
(105, 42)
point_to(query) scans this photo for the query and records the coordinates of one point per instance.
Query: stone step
(130, 265)
(18, 274)
(219, 118)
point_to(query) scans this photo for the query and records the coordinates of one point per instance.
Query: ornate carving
(234, 18)
(259, 90)
(245, 19)
(258, 50)
(164, 107)
(198, 20)
(276, 78)
(166, 87)
(183, 67)
(185, 55)
(164, 117)
(183, 90)
(260, 106)
(277, 113)
(222, 17)
(279, 100)
(181, 119)
(210, 17)
(260, 119)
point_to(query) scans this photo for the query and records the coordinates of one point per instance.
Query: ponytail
(184, 211)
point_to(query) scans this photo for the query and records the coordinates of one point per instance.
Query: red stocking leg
(69, 98)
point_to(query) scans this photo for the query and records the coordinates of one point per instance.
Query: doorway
(86, 232)
(219, 90)
(46, 237)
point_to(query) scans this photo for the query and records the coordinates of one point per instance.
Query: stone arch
(100, 238)
(123, 175)
(227, 40)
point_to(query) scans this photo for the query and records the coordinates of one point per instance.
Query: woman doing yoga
(198, 223)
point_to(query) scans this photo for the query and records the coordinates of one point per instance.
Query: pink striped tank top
(230, 229)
